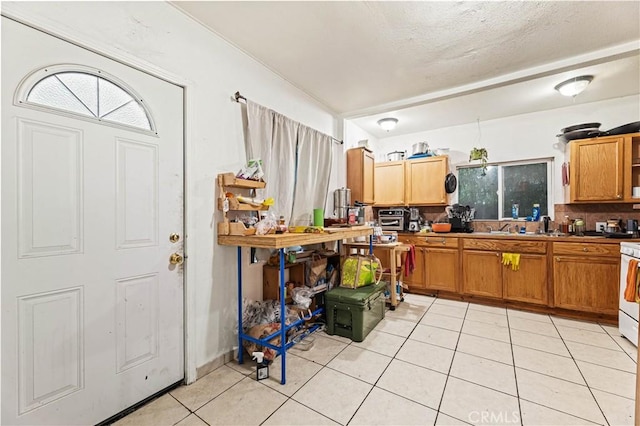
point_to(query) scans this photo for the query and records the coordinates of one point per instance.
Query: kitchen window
(493, 194)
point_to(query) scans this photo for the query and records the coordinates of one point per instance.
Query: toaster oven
(391, 219)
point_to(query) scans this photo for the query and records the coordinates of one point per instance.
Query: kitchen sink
(495, 233)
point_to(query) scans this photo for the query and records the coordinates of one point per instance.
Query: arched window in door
(85, 92)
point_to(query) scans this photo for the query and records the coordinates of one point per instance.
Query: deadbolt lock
(174, 238)
(176, 259)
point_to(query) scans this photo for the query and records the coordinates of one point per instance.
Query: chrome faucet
(506, 225)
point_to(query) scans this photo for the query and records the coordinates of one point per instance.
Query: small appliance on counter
(391, 219)
(341, 203)
(414, 220)
(460, 217)
(632, 228)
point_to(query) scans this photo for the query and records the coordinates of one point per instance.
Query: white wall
(519, 137)
(351, 134)
(157, 34)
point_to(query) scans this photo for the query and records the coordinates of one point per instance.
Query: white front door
(92, 309)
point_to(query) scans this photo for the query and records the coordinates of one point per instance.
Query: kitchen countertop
(514, 236)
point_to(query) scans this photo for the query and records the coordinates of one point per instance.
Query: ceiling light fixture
(573, 86)
(388, 123)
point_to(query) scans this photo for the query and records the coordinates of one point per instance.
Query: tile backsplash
(593, 213)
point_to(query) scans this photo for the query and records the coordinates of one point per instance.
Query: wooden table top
(288, 239)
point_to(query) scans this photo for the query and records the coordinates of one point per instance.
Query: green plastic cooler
(353, 313)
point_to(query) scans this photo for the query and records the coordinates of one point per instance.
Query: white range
(628, 313)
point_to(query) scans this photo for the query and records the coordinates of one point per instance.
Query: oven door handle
(390, 223)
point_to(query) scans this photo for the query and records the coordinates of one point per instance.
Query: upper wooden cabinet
(596, 169)
(412, 182)
(604, 169)
(425, 181)
(390, 179)
(631, 166)
(360, 175)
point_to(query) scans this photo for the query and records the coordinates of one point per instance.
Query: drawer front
(509, 246)
(431, 241)
(612, 250)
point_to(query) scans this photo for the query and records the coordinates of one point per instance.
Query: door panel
(49, 335)
(49, 172)
(92, 311)
(137, 200)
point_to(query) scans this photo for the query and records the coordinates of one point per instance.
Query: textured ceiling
(360, 58)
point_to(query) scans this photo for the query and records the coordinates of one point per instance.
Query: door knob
(176, 259)
(174, 238)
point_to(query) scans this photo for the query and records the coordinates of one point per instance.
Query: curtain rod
(238, 97)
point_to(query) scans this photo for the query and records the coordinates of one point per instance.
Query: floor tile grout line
(540, 350)
(603, 331)
(619, 345)
(604, 366)
(190, 412)
(446, 380)
(356, 378)
(614, 394)
(322, 367)
(559, 411)
(595, 346)
(215, 397)
(583, 377)
(378, 379)
(515, 373)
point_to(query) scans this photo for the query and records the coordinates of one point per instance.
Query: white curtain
(259, 138)
(312, 174)
(272, 137)
(282, 166)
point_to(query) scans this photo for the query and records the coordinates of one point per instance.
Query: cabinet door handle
(444, 242)
(497, 254)
(584, 249)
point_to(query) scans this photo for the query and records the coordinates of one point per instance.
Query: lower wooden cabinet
(415, 280)
(578, 276)
(437, 264)
(441, 269)
(482, 273)
(587, 283)
(529, 282)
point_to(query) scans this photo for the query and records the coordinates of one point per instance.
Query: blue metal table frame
(280, 242)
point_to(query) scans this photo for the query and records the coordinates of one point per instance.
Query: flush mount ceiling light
(573, 86)
(388, 123)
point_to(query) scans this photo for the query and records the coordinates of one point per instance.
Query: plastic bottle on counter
(564, 226)
(536, 212)
(282, 227)
(515, 211)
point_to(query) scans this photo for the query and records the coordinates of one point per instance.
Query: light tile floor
(431, 361)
